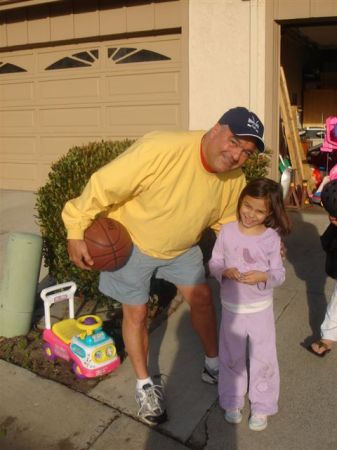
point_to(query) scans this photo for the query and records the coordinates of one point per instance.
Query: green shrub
(66, 180)
(257, 166)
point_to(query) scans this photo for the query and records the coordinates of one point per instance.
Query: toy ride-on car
(81, 340)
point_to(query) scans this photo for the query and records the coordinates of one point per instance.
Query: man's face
(224, 151)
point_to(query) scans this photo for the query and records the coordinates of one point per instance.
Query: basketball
(109, 244)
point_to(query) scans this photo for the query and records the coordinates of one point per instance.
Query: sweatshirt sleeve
(217, 262)
(113, 184)
(276, 273)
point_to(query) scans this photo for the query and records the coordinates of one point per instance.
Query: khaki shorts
(131, 283)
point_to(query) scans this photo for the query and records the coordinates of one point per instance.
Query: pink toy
(82, 341)
(330, 138)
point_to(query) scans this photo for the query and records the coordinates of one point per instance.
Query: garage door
(55, 98)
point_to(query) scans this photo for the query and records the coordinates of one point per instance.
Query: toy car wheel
(49, 352)
(77, 371)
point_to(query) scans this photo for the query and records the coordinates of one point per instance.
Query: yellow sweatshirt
(160, 190)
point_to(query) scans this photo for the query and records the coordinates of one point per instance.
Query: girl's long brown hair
(272, 192)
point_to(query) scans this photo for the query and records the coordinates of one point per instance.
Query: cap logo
(253, 123)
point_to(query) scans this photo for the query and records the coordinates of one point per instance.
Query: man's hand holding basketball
(78, 254)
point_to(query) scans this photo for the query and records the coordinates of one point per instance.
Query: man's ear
(215, 129)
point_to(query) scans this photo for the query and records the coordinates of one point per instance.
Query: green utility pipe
(19, 284)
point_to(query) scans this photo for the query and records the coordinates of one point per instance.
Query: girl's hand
(253, 277)
(232, 274)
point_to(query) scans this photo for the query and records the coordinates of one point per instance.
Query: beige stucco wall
(226, 58)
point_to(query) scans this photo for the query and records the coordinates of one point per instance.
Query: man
(166, 189)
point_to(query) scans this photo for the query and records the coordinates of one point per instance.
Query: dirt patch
(27, 351)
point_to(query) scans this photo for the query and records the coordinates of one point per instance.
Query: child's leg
(325, 180)
(329, 325)
(264, 381)
(232, 382)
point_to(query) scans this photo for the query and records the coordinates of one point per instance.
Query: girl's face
(253, 211)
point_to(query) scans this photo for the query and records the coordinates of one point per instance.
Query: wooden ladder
(302, 170)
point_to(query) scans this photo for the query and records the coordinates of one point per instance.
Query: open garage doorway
(309, 62)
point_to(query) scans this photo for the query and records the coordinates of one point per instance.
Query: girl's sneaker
(258, 422)
(233, 415)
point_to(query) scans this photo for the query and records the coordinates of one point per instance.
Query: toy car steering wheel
(89, 323)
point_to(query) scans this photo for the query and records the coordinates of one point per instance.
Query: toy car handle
(89, 328)
(59, 292)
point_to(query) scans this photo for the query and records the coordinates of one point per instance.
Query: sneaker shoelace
(150, 399)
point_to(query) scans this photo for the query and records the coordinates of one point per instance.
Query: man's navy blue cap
(243, 122)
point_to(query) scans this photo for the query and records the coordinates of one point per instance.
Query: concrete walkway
(40, 414)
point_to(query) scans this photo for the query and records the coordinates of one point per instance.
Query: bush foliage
(257, 166)
(66, 180)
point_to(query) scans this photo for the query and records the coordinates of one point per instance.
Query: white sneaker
(258, 422)
(233, 415)
(210, 376)
(151, 404)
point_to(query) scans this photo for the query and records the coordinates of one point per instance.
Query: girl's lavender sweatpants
(262, 365)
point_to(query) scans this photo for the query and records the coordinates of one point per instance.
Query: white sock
(141, 383)
(212, 363)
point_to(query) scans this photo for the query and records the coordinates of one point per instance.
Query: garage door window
(127, 55)
(10, 68)
(122, 55)
(81, 59)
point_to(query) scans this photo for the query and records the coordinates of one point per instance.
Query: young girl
(246, 260)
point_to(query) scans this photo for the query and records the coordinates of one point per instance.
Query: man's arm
(108, 187)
